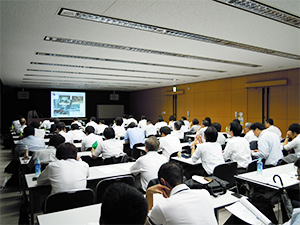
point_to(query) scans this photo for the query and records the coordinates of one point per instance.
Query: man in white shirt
(150, 129)
(168, 143)
(60, 129)
(194, 126)
(160, 123)
(90, 138)
(177, 130)
(143, 122)
(77, 135)
(268, 145)
(131, 120)
(119, 129)
(181, 205)
(92, 123)
(186, 122)
(221, 138)
(249, 133)
(237, 148)
(202, 129)
(65, 174)
(172, 120)
(149, 164)
(109, 147)
(75, 121)
(270, 127)
(293, 132)
(101, 127)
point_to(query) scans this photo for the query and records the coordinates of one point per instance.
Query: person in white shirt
(181, 205)
(186, 122)
(101, 127)
(131, 119)
(237, 148)
(119, 129)
(172, 120)
(293, 132)
(125, 120)
(143, 122)
(249, 136)
(160, 123)
(75, 121)
(194, 126)
(221, 138)
(92, 123)
(38, 132)
(269, 123)
(150, 129)
(202, 129)
(77, 135)
(90, 139)
(46, 124)
(149, 164)
(65, 174)
(109, 147)
(23, 125)
(268, 145)
(60, 129)
(210, 152)
(183, 128)
(177, 130)
(168, 143)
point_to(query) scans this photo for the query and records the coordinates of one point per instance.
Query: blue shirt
(134, 135)
(33, 143)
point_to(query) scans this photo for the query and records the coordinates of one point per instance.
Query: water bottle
(190, 140)
(37, 167)
(259, 166)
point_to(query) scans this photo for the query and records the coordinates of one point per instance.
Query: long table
(90, 215)
(96, 174)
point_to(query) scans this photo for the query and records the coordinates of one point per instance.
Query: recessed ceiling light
(142, 50)
(167, 31)
(264, 10)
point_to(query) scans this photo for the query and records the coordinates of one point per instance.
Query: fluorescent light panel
(124, 61)
(264, 10)
(142, 50)
(105, 68)
(171, 32)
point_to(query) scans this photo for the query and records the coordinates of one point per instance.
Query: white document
(107, 170)
(200, 179)
(244, 210)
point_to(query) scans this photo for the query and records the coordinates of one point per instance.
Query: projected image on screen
(67, 104)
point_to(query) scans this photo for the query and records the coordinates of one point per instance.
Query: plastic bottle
(25, 151)
(190, 141)
(37, 167)
(259, 167)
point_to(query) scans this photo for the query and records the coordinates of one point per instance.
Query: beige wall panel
(293, 76)
(166, 106)
(199, 109)
(254, 119)
(238, 82)
(211, 104)
(256, 77)
(211, 85)
(293, 102)
(277, 105)
(254, 99)
(277, 75)
(239, 102)
(224, 84)
(282, 125)
(198, 87)
(224, 121)
(224, 104)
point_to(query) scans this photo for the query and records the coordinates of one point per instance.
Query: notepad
(200, 179)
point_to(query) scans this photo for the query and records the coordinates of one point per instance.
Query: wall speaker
(23, 95)
(114, 97)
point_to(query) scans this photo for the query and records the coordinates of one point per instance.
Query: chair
(92, 162)
(105, 183)
(68, 200)
(226, 172)
(253, 145)
(252, 166)
(136, 153)
(113, 160)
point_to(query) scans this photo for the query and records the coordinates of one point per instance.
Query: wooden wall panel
(293, 77)
(254, 99)
(224, 85)
(278, 106)
(224, 104)
(293, 102)
(211, 104)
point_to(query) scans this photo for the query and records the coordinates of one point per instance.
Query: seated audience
(75, 121)
(237, 148)
(208, 120)
(65, 174)
(76, 133)
(186, 122)
(38, 132)
(181, 205)
(172, 120)
(101, 126)
(160, 123)
(249, 133)
(90, 139)
(53, 125)
(268, 145)
(46, 124)
(23, 125)
(210, 152)
(119, 129)
(16, 126)
(269, 123)
(143, 122)
(33, 143)
(168, 143)
(134, 135)
(221, 138)
(149, 164)
(150, 129)
(109, 147)
(93, 124)
(194, 126)
(131, 120)
(177, 130)
(293, 133)
(61, 129)
(183, 128)
(204, 125)
(123, 204)
(125, 120)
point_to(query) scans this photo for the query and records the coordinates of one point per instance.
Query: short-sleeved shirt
(294, 144)
(169, 144)
(134, 135)
(109, 148)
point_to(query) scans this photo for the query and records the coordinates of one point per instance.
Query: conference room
(197, 59)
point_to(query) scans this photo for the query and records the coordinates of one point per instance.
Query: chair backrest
(92, 162)
(68, 200)
(252, 166)
(113, 160)
(226, 172)
(136, 153)
(105, 183)
(253, 145)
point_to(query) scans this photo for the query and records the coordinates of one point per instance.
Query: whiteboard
(109, 111)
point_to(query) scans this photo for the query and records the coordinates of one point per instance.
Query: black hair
(109, 133)
(165, 130)
(152, 143)
(93, 119)
(143, 117)
(217, 126)
(236, 129)
(102, 121)
(60, 126)
(149, 121)
(172, 173)
(130, 116)
(74, 126)
(29, 130)
(160, 118)
(66, 151)
(211, 134)
(295, 128)
(131, 125)
(35, 124)
(119, 121)
(75, 118)
(270, 121)
(183, 118)
(126, 202)
(177, 125)
(56, 120)
(208, 120)
(236, 121)
(56, 140)
(258, 125)
(125, 116)
(195, 121)
(181, 122)
(172, 118)
(205, 123)
(90, 129)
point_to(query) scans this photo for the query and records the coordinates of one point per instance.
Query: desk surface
(187, 160)
(89, 215)
(95, 172)
(286, 172)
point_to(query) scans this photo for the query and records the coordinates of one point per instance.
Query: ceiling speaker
(114, 97)
(23, 95)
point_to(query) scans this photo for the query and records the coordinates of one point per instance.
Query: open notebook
(244, 210)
